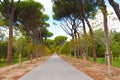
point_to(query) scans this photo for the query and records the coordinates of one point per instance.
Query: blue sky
(107, 3)
(56, 29)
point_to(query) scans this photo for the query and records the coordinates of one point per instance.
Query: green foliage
(74, 8)
(60, 40)
(45, 50)
(56, 44)
(20, 45)
(117, 37)
(45, 33)
(100, 50)
(2, 20)
(30, 15)
(50, 44)
(66, 10)
(100, 42)
(30, 47)
(115, 44)
(57, 49)
(3, 49)
(66, 48)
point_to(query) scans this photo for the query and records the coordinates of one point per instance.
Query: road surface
(55, 68)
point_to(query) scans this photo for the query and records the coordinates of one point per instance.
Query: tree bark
(106, 36)
(91, 32)
(92, 39)
(80, 46)
(86, 41)
(106, 32)
(116, 8)
(73, 45)
(9, 53)
(8, 12)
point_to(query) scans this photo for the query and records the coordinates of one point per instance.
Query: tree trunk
(86, 41)
(73, 45)
(80, 46)
(115, 7)
(76, 45)
(92, 39)
(91, 33)
(106, 32)
(9, 53)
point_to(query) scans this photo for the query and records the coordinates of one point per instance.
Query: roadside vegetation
(24, 33)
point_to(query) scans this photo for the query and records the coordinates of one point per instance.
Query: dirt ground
(14, 72)
(94, 70)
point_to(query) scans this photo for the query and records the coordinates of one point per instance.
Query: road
(55, 68)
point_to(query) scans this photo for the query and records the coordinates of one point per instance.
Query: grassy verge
(116, 62)
(14, 61)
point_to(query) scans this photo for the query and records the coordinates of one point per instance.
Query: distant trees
(56, 43)
(3, 49)
(115, 44)
(60, 40)
(67, 49)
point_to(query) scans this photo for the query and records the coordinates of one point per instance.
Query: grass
(14, 61)
(99, 60)
(116, 62)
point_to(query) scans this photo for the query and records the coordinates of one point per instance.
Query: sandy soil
(95, 70)
(14, 72)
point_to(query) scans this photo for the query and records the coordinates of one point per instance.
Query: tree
(3, 49)
(116, 7)
(115, 44)
(20, 46)
(88, 9)
(2, 20)
(66, 48)
(45, 34)
(85, 40)
(117, 37)
(102, 6)
(100, 42)
(60, 40)
(31, 21)
(74, 11)
(8, 8)
(27, 13)
(69, 18)
(50, 44)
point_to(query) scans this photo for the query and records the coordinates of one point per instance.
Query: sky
(56, 29)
